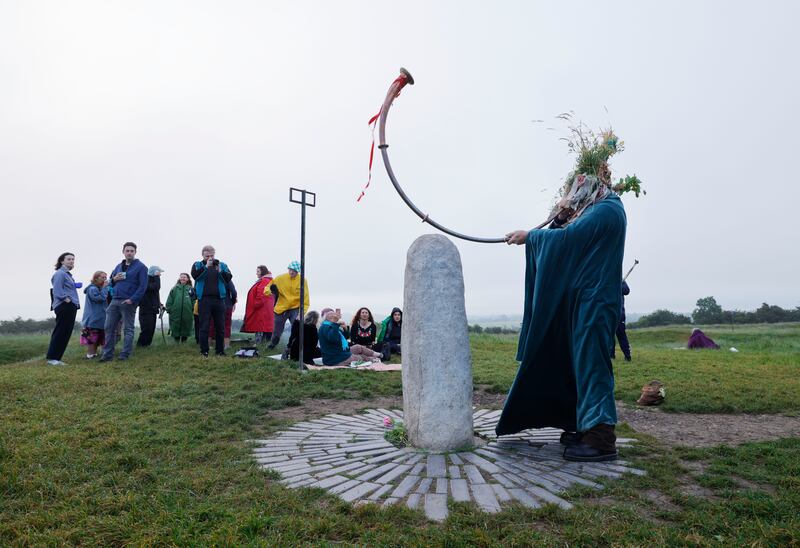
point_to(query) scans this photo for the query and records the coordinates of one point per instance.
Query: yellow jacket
(289, 293)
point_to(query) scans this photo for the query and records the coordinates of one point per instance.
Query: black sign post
(304, 198)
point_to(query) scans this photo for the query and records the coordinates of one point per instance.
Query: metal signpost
(299, 196)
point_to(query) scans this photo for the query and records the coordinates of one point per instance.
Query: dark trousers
(388, 347)
(65, 321)
(147, 327)
(622, 337)
(212, 307)
(197, 328)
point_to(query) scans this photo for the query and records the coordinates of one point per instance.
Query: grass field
(153, 451)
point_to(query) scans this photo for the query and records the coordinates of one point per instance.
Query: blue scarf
(345, 346)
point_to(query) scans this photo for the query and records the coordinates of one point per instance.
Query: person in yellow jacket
(286, 289)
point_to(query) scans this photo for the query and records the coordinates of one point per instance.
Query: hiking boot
(569, 439)
(582, 452)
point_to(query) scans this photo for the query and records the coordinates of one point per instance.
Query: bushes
(18, 326)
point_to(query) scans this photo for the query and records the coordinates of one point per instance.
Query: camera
(215, 262)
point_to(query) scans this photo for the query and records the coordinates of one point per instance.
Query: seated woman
(391, 332)
(334, 347)
(363, 330)
(310, 338)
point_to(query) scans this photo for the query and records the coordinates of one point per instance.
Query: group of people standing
(201, 301)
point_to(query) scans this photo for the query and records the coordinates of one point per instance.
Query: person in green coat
(180, 305)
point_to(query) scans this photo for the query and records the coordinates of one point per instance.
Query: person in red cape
(258, 315)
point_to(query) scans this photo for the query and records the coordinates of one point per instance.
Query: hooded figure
(390, 334)
(572, 306)
(180, 306)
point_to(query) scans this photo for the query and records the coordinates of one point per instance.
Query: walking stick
(161, 318)
(635, 262)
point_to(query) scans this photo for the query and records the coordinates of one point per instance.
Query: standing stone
(437, 367)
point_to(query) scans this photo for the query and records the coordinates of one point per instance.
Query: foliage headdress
(590, 181)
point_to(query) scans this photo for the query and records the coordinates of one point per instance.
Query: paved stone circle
(348, 457)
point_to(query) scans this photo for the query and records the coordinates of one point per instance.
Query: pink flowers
(388, 422)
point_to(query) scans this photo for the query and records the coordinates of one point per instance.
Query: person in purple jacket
(128, 282)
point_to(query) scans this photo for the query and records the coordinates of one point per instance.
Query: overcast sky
(177, 124)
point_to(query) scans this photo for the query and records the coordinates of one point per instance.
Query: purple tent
(698, 339)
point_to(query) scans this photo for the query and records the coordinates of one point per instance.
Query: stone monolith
(437, 367)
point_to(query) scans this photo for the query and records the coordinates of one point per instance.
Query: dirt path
(703, 430)
(691, 429)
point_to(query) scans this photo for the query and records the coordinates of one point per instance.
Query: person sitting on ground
(180, 305)
(149, 307)
(390, 334)
(94, 314)
(334, 347)
(286, 289)
(699, 340)
(363, 330)
(310, 339)
(258, 312)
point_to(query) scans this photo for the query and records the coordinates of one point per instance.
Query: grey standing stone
(437, 368)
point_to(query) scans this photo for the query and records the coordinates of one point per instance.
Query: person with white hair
(286, 289)
(333, 344)
(211, 286)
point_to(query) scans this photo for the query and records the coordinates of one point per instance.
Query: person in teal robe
(572, 307)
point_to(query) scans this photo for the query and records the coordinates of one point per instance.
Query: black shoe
(628, 358)
(570, 439)
(204, 354)
(586, 453)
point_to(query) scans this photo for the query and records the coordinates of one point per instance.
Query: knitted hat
(154, 269)
(294, 265)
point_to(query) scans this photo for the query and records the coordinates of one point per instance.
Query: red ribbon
(373, 122)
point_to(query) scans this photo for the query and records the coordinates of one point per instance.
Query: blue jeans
(119, 311)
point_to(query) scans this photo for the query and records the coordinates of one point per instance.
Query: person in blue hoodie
(211, 285)
(94, 314)
(129, 282)
(65, 304)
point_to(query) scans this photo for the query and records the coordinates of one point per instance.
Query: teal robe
(572, 306)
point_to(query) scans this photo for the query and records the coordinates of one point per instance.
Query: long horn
(394, 90)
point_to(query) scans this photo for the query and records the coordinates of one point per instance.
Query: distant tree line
(18, 326)
(493, 330)
(708, 311)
